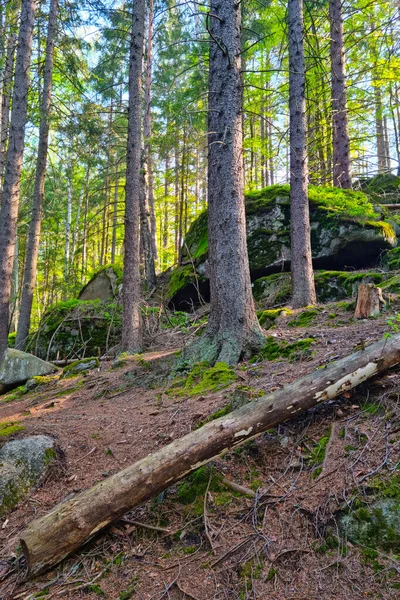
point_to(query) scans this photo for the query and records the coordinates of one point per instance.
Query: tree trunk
(10, 199)
(38, 194)
(341, 141)
(115, 219)
(147, 136)
(301, 260)
(5, 101)
(380, 135)
(232, 329)
(369, 301)
(131, 340)
(54, 536)
(145, 230)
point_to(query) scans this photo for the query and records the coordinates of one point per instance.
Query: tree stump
(369, 301)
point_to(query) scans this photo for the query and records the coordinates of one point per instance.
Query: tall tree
(38, 194)
(301, 261)
(10, 198)
(131, 318)
(232, 329)
(341, 140)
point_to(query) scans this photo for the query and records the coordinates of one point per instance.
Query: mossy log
(54, 536)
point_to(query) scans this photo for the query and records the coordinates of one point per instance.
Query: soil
(277, 544)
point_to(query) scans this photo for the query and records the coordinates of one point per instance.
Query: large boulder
(17, 367)
(330, 286)
(22, 464)
(346, 232)
(77, 327)
(103, 285)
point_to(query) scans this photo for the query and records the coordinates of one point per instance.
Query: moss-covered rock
(201, 379)
(345, 230)
(68, 327)
(375, 525)
(22, 464)
(331, 286)
(81, 367)
(383, 188)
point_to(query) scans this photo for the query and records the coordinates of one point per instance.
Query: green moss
(192, 489)
(189, 550)
(180, 278)
(11, 339)
(203, 378)
(252, 569)
(9, 428)
(386, 229)
(317, 454)
(130, 590)
(267, 318)
(304, 318)
(14, 395)
(391, 259)
(81, 367)
(49, 456)
(274, 349)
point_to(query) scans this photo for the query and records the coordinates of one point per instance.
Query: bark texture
(52, 537)
(10, 199)
(233, 329)
(301, 260)
(341, 140)
(6, 100)
(38, 194)
(131, 318)
(369, 301)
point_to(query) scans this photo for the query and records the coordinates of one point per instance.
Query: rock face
(102, 286)
(22, 464)
(331, 286)
(345, 233)
(17, 367)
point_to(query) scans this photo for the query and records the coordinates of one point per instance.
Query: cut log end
(369, 301)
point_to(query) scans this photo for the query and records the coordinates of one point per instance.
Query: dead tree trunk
(369, 301)
(54, 536)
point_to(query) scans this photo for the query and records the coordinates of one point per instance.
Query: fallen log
(54, 536)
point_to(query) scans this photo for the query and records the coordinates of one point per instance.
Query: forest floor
(207, 541)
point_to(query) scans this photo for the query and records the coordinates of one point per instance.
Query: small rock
(81, 366)
(22, 464)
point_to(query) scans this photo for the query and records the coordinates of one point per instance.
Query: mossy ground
(9, 428)
(202, 379)
(275, 349)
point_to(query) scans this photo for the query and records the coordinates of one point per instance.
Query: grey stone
(81, 366)
(17, 367)
(373, 525)
(22, 464)
(103, 286)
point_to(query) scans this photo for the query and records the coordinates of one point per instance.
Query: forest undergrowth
(263, 521)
